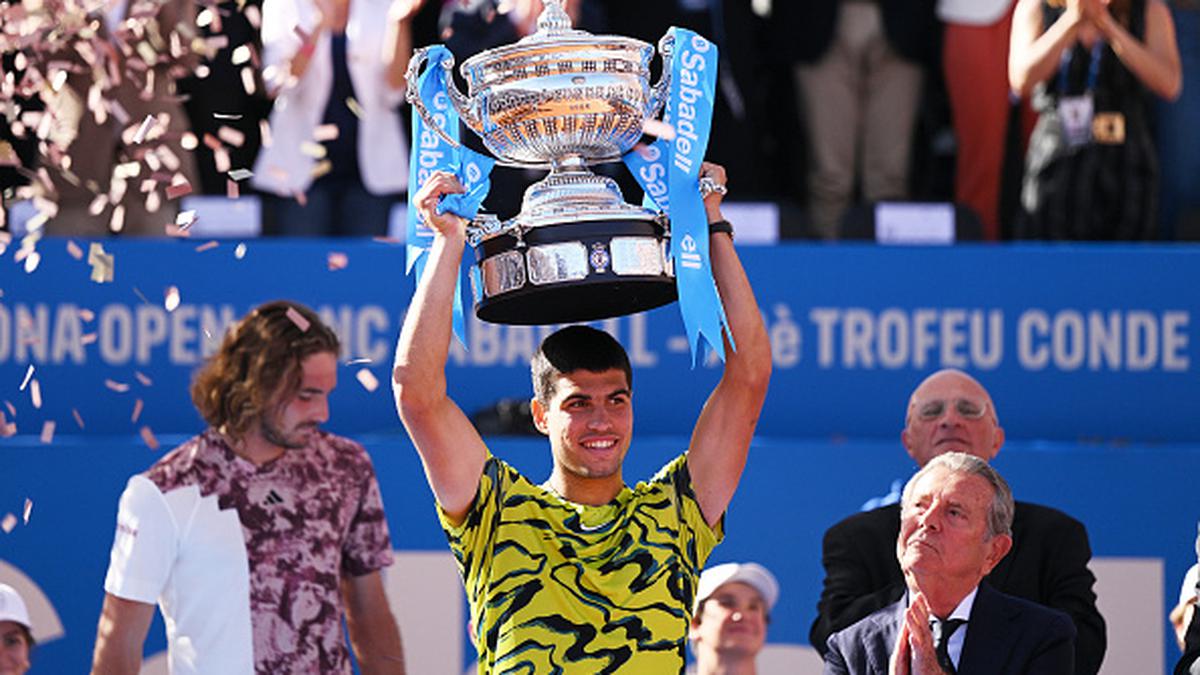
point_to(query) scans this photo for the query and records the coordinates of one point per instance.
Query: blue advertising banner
(1074, 342)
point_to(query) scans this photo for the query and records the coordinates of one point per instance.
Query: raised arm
(1155, 62)
(721, 439)
(1034, 55)
(450, 448)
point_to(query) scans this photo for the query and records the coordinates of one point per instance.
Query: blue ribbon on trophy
(668, 171)
(431, 152)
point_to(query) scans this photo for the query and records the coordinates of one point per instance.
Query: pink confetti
(12, 409)
(146, 381)
(337, 261)
(87, 338)
(264, 130)
(231, 136)
(9, 522)
(35, 394)
(27, 510)
(367, 379)
(78, 417)
(179, 188)
(231, 189)
(149, 439)
(137, 411)
(207, 246)
(86, 314)
(74, 250)
(248, 81)
(48, 432)
(119, 387)
(298, 319)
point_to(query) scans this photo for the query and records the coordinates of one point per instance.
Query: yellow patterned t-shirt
(559, 587)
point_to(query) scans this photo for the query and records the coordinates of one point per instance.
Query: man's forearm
(424, 342)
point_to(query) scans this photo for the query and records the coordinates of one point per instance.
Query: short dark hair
(576, 348)
(258, 362)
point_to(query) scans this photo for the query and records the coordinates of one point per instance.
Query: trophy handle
(660, 91)
(461, 103)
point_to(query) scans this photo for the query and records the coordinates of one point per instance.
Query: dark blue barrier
(1137, 502)
(1075, 342)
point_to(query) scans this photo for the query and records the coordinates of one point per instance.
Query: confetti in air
(9, 522)
(101, 262)
(146, 381)
(337, 260)
(149, 439)
(78, 417)
(171, 303)
(367, 379)
(35, 393)
(119, 387)
(207, 246)
(239, 251)
(25, 382)
(137, 411)
(298, 319)
(27, 510)
(48, 432)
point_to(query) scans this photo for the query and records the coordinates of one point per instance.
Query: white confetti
(9, 522)
(25, 382)
(367, 379)
(239, 252)
(27, 510)
(171, 303)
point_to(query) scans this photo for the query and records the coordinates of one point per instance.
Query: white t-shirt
(180, 549)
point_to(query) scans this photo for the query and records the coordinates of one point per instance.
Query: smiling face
(589, 421)
(298, 416)
(951, 412)
(944, 534)
(14, 649)
(731, 622)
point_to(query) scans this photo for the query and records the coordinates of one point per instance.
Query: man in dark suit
(951, 412)
(956, 524)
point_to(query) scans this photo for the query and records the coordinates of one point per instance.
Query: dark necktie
(942, 630)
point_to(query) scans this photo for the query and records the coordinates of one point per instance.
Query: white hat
(752, 574)
(12, 607)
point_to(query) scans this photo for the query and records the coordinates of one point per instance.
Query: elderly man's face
(950, 412)
(944, 529)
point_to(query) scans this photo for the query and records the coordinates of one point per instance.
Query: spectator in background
(1178, 140)
(113, 125)
(1181, 615)
(859, 78)
(729, 624)
(16, 638)
(955, 526)
(1092, 170)
(337, 159)
(975, 64)
(951, 412)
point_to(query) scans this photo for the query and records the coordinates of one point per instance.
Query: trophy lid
(554, 31)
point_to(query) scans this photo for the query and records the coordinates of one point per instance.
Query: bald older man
(951, 412)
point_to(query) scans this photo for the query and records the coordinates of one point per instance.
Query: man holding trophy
(581, 572)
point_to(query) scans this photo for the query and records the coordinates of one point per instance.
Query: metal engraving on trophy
(563, 99)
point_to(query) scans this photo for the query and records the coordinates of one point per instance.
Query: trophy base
(573, 271)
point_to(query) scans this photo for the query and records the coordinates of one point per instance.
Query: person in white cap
(729, 623)
(16, 640)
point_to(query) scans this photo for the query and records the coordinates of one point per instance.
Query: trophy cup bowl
(562, 99)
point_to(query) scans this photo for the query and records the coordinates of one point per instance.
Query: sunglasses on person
(965, 407)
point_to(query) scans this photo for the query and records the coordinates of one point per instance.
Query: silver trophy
(562, 99)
